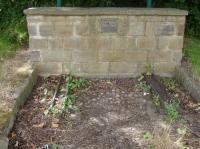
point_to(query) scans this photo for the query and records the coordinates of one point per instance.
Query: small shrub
(170, 84)
(156, 99)
(143, 86)
(148, 69)
(171, 110)
(148, 135)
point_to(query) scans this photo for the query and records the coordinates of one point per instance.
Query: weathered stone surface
(35, 18)
(82, 30)
(35, 56)
(123, 67)
(67, 11)
(76, 43)
(124, 43)
(168, 42)
(56, 56)
(63, 29)
(32, 30)
(95, 68)
(180, 29)
(136, 28)
(46, 29)
(55, 43)
(55, 19)
(84, 56)
(146, 43)
(53, 68)
(101, 43)
(166, 28)
(107, 42)
(135, 56)
(165, 68)
(38, 43)
(190, 83)
(111, 56)
(159, 56)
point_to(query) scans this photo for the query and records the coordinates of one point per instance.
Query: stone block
(124, 43)
(136, 28)
(180, 29)
(76, 43)
(135, 56)
(165, 28)
(55, 43)
(95, 67)
(122, 67)
(165, 68)
(32, 29)
(84, 56)
(76, 20)
(35, 56)
(35, 19)
(150, 29)
(146, 43)
(82, 29)
(61, 29)
(111, 56)
(53, 68)
(55, 19)
(176, 56)
(159, 56)
(56, 56)
(46, 29)
(38, 43)
(67, 68)
(173, 43)
(101, 43)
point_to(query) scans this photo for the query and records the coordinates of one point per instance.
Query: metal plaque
(109, 25)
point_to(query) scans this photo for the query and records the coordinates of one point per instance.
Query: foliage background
(13, 22)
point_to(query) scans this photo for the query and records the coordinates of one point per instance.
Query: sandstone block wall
(105, 42)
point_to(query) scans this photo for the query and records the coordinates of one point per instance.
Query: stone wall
(105, 42)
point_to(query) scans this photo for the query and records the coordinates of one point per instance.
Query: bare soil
(108, 114)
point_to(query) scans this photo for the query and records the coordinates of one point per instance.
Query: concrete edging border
(188, 82)
(20, 97)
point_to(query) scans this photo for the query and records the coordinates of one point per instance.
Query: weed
(148, 135)
(170, 84)
(148, 69)
(142, 85)
(156, 99)
(74, 83)
(68, 99)
(171, 110)
(164, 139)
(181, 131)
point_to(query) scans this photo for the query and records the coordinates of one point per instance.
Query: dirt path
(108, 114)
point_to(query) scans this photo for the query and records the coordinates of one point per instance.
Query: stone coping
(92, 11)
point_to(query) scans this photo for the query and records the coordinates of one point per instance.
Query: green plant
(170, 84)
(148, 135)
(68, 100)
(148, 69)
(181, 131)
(156, 99)
(142, 85)
(74, 83)
(171, 110)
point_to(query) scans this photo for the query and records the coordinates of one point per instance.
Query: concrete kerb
(188, 82)
(20, 97)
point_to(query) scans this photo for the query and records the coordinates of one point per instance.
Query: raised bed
(106, 113)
